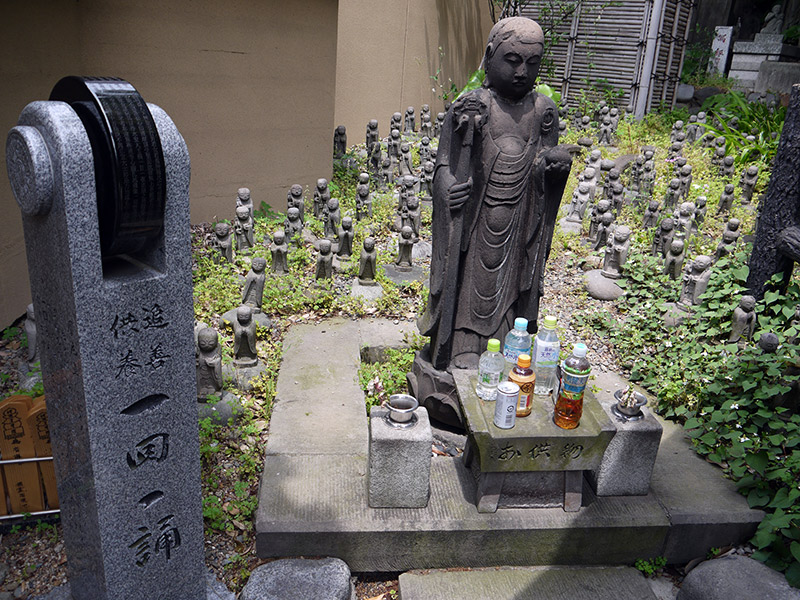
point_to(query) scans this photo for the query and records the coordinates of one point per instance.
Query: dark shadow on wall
(463, 27)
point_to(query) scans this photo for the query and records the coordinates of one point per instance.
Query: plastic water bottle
(518, 341)
(490, 370)
(546, 351)
(575, 373)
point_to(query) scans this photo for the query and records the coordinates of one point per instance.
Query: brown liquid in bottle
(523, 376)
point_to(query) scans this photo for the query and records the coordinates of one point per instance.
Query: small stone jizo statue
(244, 338)
(208, 363)
(743, 323)
(280, 253)
(368, 263)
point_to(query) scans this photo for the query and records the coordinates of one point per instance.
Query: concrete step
(527, 583)
(313, 493)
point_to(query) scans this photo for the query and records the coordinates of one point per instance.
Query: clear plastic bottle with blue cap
(518, 341)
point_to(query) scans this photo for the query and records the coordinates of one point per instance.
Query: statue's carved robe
(506, 224)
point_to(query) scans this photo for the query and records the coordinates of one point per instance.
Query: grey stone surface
(777, 76)
(370, 293)
(399, 461)
(401, 276)
(735, 577)
(215, 590)
(569, 227)
(629, 458)
(117, 350)
(528, 583)
(300, 579)
(600, 287)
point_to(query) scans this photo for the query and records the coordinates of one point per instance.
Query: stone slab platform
(313, 493)
(532, 583)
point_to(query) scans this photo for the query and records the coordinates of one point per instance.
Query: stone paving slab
(532, 583)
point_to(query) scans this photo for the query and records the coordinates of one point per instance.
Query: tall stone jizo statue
(497, 185)
(107, 240)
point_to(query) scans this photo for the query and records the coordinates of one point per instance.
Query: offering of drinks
(574, 375)
(505, 409)
(490, 371)
(524, 377)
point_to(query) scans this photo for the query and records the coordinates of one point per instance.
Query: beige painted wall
(249, 83)
(389, 49)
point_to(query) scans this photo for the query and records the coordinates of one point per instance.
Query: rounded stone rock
(30, 170)
(601, 287)
(300, 579)
(735, 577)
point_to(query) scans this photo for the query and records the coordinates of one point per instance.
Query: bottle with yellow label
(523, 376)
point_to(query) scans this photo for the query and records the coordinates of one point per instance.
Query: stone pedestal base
(399, 461)
(601, 287)
(243, 376)
(435, 390)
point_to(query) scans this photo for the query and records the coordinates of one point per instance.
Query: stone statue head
(397, 117)
(667, 225)
(687, 209)
(410, 110)
(207, 339)
(680, 161)
(693, 119)
(747, 303)
(752, 170)
(322, 184)
(426, 108)
(428, 166)
(674, 184)
(613, 173)
(296, 190)
(369, 244)
(222, 229)
(768, 342)
(407, 232)
(729, 188)
(648, 155)
(279, 237)
(589, 173)
(363, 178)
(622, 233)
(386, 162)
(594, 155)
(258, 265)
(733, 225)
(347, 223)
(244, 194)
(425, 141)
(676, 247)
(702, 263)
(701, 201)
(607, 120)
(686, 170)
(324, 246)
(373, 124)
(614, 112)
(244, 314)
(603, 206)
(341, 130)
(440, 116)
(404, 147)
(293, 214)
(333, 204)
(513, 56)
(607, 218)
(653, 206)
(678, 125)
(617, 187)
(583, 187)
(242, 213)
(396, 134)
(701, 116)
(648, 165)
(29, 312)
(412, 202)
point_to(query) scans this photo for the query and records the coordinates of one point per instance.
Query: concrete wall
(389, 49)
(249, 83)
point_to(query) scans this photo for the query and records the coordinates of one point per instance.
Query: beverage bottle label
(547, 354)
(489, 379)
(511, 354)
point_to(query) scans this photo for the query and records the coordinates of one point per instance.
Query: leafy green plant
(651, 566)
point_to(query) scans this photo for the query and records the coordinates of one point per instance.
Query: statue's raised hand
(458, 194)
(557, 161)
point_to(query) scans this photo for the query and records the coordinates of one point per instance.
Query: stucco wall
(249, 83)
(389, 49)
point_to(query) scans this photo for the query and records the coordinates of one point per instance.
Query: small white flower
(738, 426)
(744, 438)
(734, 406)
(668, 344)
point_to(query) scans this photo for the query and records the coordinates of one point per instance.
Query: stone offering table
(535, 464)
